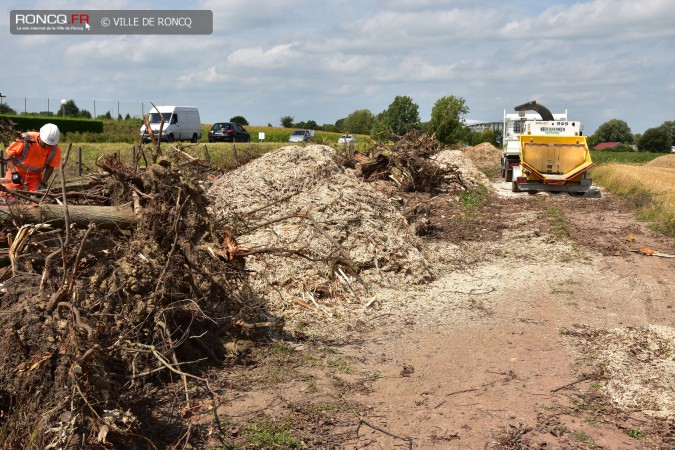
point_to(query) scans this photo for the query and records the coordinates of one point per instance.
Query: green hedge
(33, 123)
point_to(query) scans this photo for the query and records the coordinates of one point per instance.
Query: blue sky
(599, 59)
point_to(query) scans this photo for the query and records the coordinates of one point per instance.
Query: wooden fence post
(134, 158)
(207, 156)
(79, 161)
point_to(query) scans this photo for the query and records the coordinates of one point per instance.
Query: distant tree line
(447, 122)
(658, 139)
(447, 125)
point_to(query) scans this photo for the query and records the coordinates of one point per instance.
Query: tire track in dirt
(481, 357)
(480, 350)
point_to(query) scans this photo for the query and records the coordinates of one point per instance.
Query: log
(81, 215)
(366, 169)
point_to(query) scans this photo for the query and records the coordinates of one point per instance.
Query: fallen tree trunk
(80, 215)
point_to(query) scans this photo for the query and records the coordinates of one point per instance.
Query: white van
(181, 123)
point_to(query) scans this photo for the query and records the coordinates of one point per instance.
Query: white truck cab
(514, 126)
(181, 123)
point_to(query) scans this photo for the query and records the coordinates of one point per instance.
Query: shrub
(28, 123)
(655, 140)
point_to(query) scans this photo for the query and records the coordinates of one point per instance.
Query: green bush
(655, 140)
(619, 149)
(34, 123)
(100, 137)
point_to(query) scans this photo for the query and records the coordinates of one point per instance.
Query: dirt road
(497, 352)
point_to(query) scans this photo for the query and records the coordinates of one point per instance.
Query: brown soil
(542, 328)
(450, 318)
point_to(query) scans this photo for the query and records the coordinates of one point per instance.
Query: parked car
(228, 132)
(301, 136)
(346, 139)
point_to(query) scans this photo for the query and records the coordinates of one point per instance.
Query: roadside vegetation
(600, 157)
(222, 155)
(127, 131)
(648, 182)
(616, 169)
(650, 187)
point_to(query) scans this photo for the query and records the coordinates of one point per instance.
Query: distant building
(606, 145)
(479, 125)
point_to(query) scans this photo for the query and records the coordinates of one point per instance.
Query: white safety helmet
(50, 134)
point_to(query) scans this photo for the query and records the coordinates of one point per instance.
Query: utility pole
(1, 97)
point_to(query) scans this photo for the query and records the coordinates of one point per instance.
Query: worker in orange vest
(32, 158)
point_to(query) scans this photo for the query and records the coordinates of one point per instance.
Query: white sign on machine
(557, 128)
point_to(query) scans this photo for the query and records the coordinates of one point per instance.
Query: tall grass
(223, 155)
(114, 131)
(650, 188)
(277, 134)
(128, 131)
(603, 157)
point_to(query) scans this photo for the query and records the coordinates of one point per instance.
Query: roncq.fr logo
(51, 19)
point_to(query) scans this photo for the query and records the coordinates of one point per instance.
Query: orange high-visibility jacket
(31, 156)
(30, 159)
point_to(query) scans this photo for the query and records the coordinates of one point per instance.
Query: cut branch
(106, 217)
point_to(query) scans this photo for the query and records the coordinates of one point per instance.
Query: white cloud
(212, 75)
(243, 15)
(347, 64)
(419, 69)
(273, 58)
(121, 52)
(600, 19)
(406, 30)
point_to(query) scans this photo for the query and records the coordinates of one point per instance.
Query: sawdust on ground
(299, 200)
(426, 297)
(484, 155)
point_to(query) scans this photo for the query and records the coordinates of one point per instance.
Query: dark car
(228, 132)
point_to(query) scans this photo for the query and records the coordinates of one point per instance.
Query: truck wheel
(194, 138)
(170, 138)
(509, 175)
(514, 186)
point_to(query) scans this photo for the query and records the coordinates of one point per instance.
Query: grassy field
(224, 155)
(128, 131)
(276, 134)
(604, 157)
(650, 186)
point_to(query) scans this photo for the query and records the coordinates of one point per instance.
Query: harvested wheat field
(667, 161)
(651, 186)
